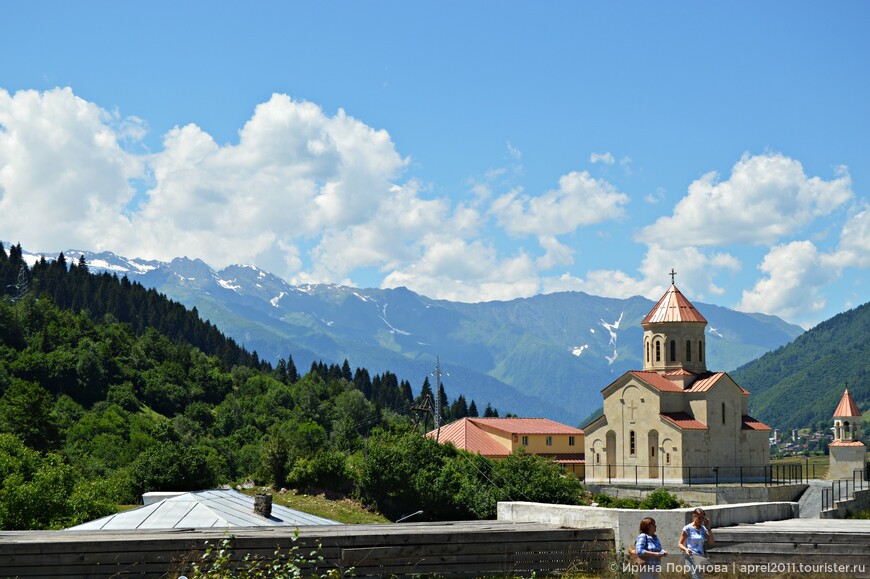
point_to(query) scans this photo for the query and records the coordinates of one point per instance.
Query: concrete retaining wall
(625, 522)
(860, 502)
(700, 495)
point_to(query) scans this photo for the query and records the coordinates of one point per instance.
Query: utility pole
(437, 398)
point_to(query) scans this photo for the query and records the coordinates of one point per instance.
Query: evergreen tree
(292, 373)
(345, 371)
(472, 410)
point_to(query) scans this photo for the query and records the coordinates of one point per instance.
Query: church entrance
(653, 443)
(611, 454)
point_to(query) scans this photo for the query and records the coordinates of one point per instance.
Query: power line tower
(438, 401)
(21, 285)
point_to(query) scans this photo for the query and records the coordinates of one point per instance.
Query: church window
(673, 351)
(631, 443)
(688, 350)
(700, 351)
(549, 441)
(570, 441)
(658, 351)
(723, 413)
(597, 458)
(647, 351)
(652, 451)
(525, 441)
(668, 457)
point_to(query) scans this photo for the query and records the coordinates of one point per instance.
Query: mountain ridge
(546, 355)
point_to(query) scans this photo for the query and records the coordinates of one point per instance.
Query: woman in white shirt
(692, 540)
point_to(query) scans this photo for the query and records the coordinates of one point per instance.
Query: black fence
(844, 489)
(775, 474)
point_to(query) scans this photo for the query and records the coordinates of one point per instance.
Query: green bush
(660, 499)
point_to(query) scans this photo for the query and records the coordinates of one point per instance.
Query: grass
(342, 509)
(818, 465)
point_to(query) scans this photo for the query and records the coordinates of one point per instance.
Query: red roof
(469, 434)
(846, 443)
(750, 423)
(526, 425)
(683, 421)
(673, 307)
(847, 406)
(661, 383)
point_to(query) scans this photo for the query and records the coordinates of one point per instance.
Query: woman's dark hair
(645, 524)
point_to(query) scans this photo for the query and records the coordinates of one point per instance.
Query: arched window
(647, 351)
(688, 350)
(723, 413)
(673, 351)
(700, 351)
(658, 351)
(631, 441)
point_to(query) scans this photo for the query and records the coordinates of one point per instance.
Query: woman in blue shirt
(649, 549)
(692, 541)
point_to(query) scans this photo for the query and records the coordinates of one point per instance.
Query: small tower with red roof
(847, 452)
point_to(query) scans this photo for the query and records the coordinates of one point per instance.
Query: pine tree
(472, 410)
(292, 373)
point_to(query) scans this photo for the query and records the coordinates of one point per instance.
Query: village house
(497, 438)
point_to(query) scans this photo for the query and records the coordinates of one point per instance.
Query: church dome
(673, 307)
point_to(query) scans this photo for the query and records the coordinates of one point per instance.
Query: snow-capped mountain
(548, 355)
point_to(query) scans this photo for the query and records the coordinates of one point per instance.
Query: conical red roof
(673, 307)
(847, 406)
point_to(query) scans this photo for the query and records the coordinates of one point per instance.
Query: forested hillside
(800, 384)
(108, 390)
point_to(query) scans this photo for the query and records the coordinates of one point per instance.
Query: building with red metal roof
(676, 420)
(498, 437)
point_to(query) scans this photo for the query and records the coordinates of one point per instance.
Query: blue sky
(469, 151)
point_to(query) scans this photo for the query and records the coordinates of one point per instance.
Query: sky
(469, 151)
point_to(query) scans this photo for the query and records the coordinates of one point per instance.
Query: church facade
(675, 420)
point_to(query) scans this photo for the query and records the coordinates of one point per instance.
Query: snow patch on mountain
(229, 285)
(611, 328)
(714, 332)
(362, 297)
(274, 301)
(393, 330)
(577, 350)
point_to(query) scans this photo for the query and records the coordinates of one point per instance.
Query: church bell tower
(673, 336)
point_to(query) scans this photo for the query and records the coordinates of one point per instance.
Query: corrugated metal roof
(527, 425)
(683, 420)
(673, 307)
(847, 406)
(750, 423)
(203, 509)
(468, 436)
(661, 382)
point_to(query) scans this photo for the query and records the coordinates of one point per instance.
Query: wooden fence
(450, 549)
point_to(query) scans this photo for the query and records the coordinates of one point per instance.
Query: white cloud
(295, 173)
(605, 158)
(766, 198)
(695, 275)
(459, 270)
(794, 274)
(64, 177)
(854, 247)
(579, 200)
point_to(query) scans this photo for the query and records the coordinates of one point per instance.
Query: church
(675, 421)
